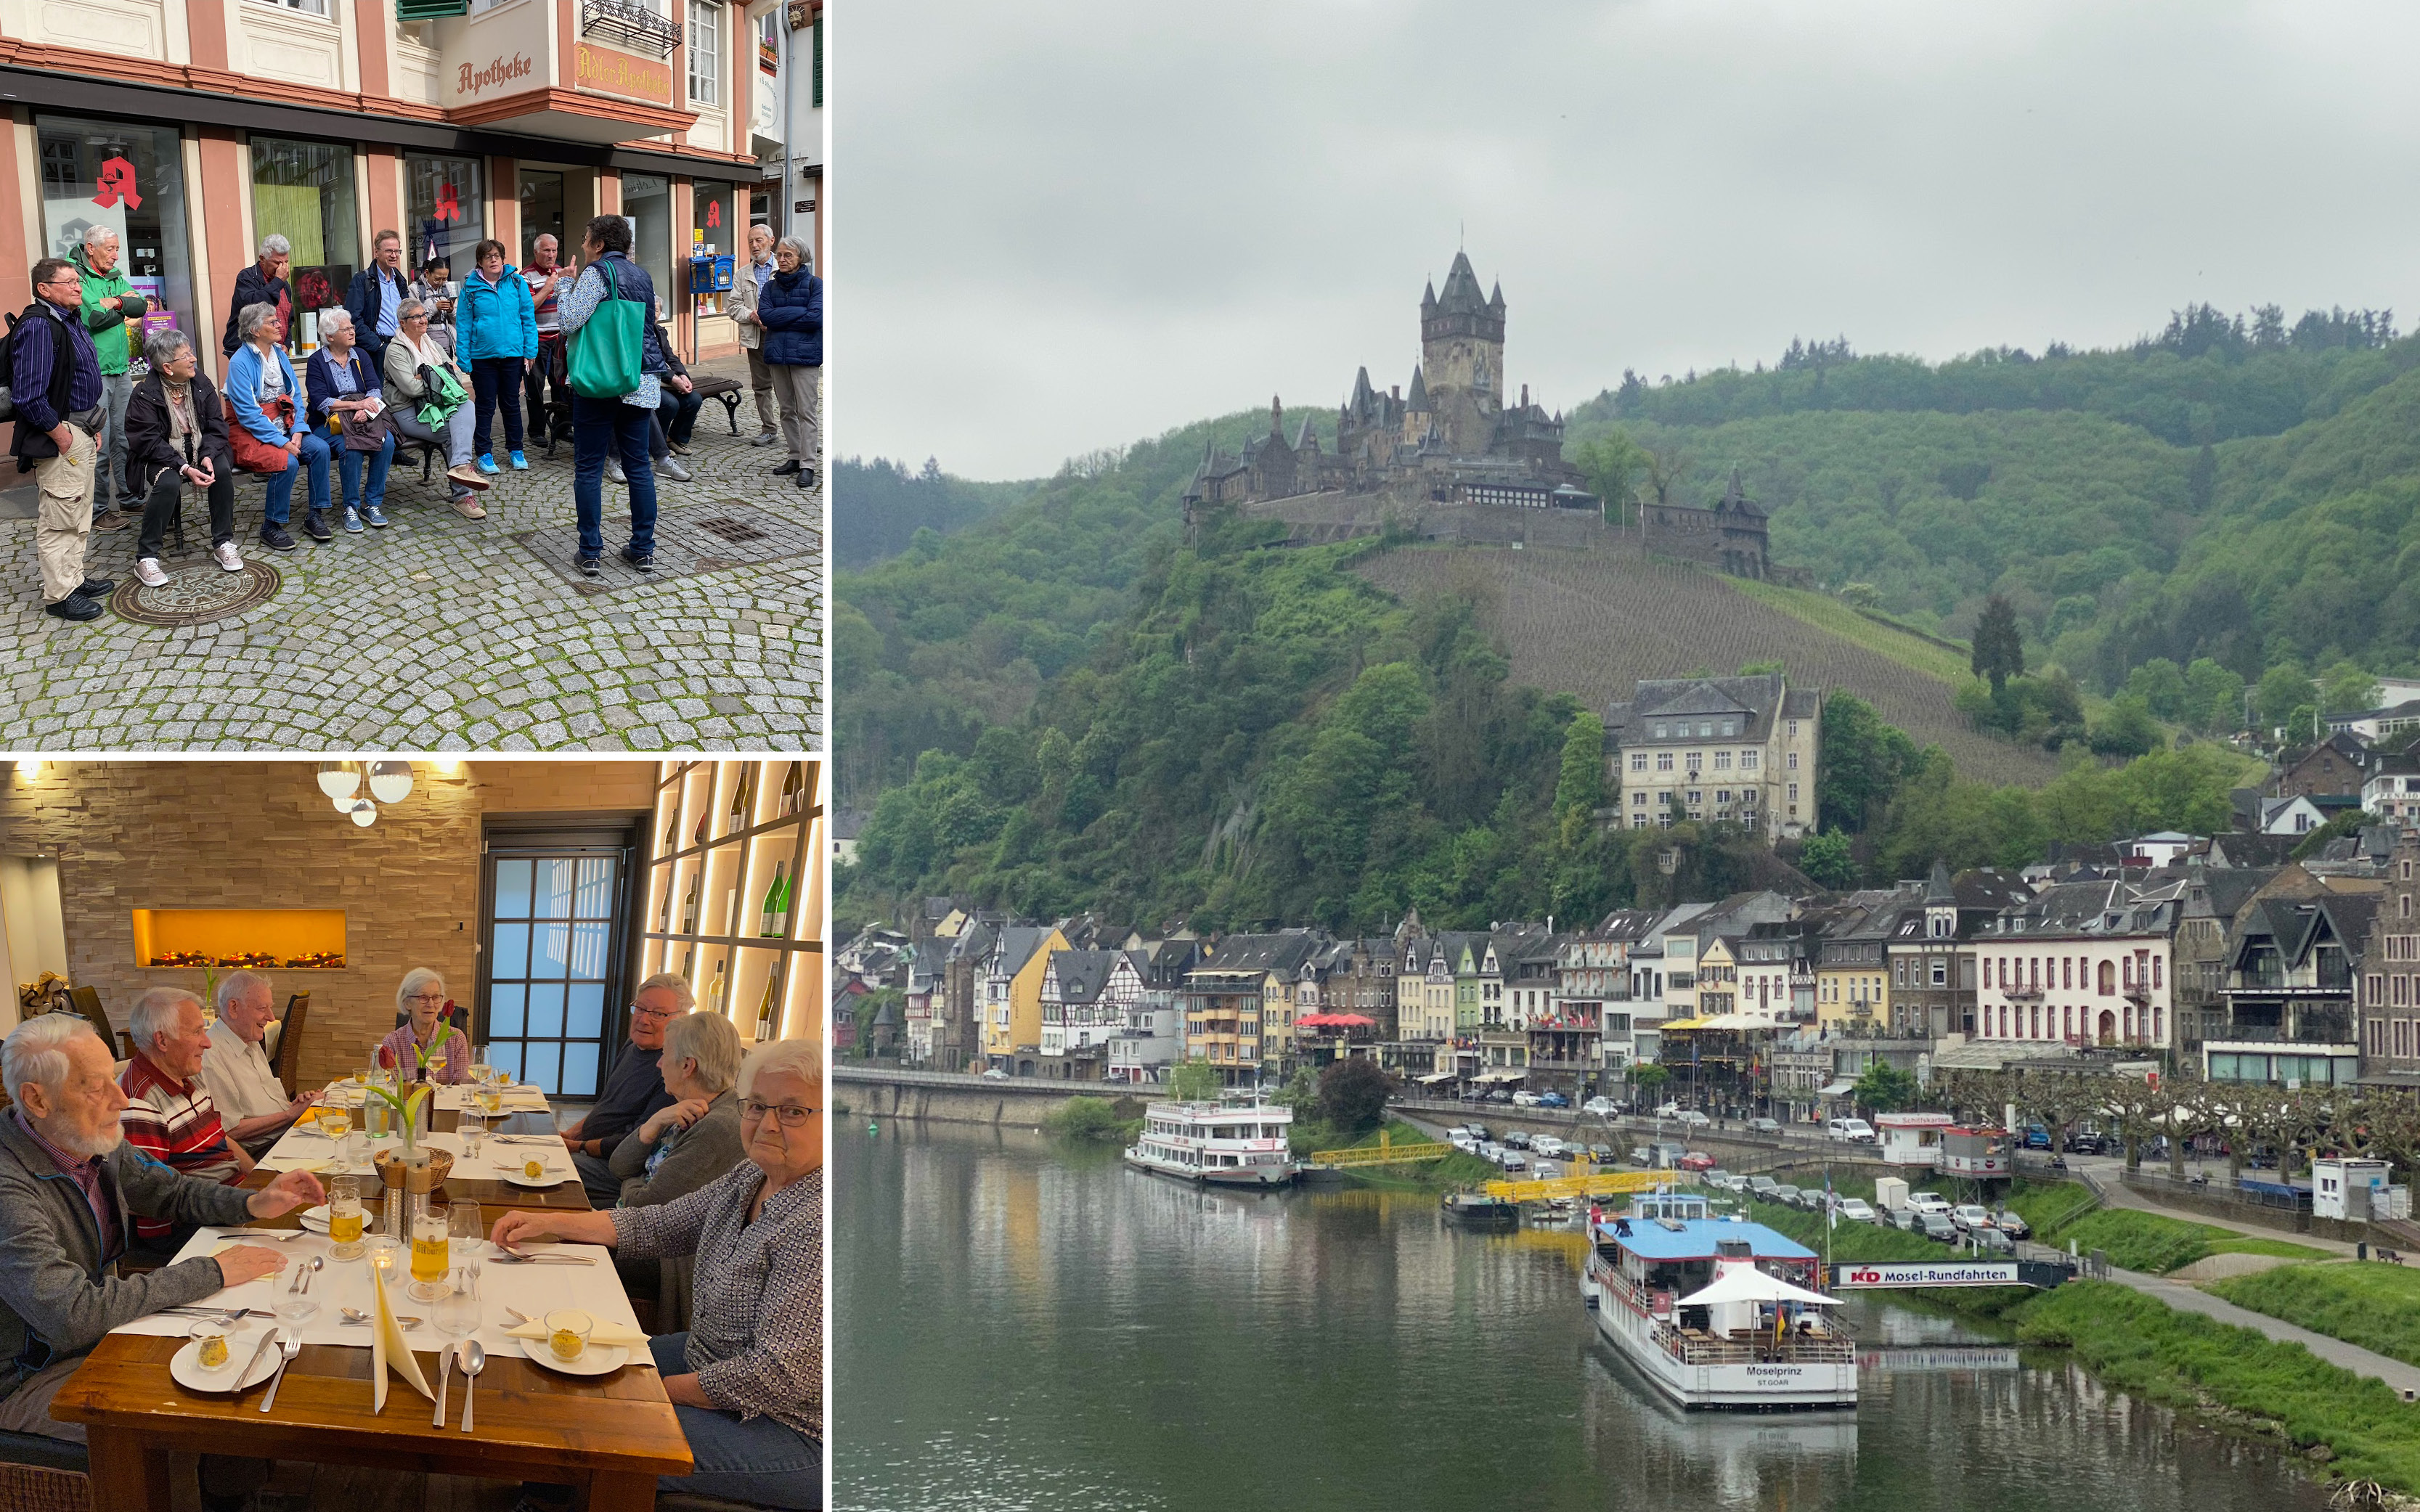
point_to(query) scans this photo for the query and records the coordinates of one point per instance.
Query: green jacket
(97, 288)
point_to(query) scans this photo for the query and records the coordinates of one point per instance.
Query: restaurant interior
(542, 893)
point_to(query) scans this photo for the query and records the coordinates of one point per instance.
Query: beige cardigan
(743, 297)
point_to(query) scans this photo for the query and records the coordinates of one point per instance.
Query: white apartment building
(1740, 750)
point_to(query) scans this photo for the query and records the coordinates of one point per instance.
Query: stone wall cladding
(180, 834)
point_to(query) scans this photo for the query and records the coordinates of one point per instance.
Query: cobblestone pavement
(445, 634)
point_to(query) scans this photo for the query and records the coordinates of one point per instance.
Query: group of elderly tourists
(424, 359)
(693, 1149)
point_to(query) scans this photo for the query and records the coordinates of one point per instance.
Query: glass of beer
(429, 1256)
(345, 1217)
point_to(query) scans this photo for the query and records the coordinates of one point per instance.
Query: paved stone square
(444, 634)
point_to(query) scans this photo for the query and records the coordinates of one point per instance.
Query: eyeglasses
(636, 1012)
(792, 1118)
(426, 997)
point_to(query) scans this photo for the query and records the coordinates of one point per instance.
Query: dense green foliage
(879, 506)
(2376, 1307)
(1095, 1118)
(2138, 1345)
(1884, 1088)
(1352, 1094)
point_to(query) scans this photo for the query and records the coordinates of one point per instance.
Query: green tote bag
(605, 356)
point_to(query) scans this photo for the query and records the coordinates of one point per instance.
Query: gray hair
(36, 1053)
(799, 245)
(273, 245)
(251, 319)
(802, 1058)
(155, 1012)
(335, 318)
(236, 984)
(161, 346)
(545, 236)
(417, 978)
(674, 981)
(94, 234)
(709, 1040)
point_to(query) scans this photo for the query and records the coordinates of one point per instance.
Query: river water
(1020, 1323)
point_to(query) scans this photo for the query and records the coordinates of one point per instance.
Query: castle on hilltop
(1450, 439)
(1451, 460)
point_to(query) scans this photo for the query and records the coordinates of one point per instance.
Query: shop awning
(1838, 1089)
(1670, 1024)
(1336, 1020)
(1433, 1077)
(1501, 1074)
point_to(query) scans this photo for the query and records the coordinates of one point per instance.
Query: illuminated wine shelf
(721, 833)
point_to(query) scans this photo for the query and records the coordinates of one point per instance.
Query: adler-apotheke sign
(625, 75)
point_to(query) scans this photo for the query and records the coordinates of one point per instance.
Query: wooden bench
(727, 389)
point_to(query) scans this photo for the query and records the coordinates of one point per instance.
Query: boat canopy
(1745, 1282)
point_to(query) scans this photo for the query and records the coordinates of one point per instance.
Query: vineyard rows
(1594, 623)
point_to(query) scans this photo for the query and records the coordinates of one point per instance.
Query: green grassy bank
(2376, 1307)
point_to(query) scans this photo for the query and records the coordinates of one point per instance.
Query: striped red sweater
(175, 1123)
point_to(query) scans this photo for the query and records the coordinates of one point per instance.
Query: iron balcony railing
(629, 23)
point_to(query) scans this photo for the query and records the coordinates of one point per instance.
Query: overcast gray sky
(1073, 223)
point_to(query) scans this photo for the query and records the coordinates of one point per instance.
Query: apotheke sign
(475, 80)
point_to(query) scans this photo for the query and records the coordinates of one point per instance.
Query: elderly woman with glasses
(411, 358)
(747, 1379)
(345, 391)
(267, 401)
(423, 1034)
(175, 438)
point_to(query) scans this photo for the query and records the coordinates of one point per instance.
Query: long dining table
(611, 1434)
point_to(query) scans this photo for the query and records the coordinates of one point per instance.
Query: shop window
(710, 242)
(130, 178)
(446, 210)
(647, 205)
(303, 191)
(542, 214)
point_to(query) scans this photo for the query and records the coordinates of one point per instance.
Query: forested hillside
(879, 506)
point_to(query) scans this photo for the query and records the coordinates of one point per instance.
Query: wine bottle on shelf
(765, 1009)
(698, 838)
(792, 784)
(731, 914)
(740, 799)
(688, 905)
(688, 959)
(671, 829)
(777, 906)
(714, 992)
(664, 915)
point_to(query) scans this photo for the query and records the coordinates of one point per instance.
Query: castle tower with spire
(1461, 358)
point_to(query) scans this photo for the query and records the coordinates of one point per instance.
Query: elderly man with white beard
(70, 1189)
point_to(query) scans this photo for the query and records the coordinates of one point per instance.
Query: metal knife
(268, 1342)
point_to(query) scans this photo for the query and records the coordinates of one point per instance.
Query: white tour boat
(1225, 1143)
(1716, 1312)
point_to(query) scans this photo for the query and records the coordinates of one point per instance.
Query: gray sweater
(700, 1154)
(55, 1299)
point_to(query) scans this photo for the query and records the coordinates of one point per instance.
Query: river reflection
(1023, 1324)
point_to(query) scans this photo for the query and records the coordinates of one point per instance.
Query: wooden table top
(528, 1420)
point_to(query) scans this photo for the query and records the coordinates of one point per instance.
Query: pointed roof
(1428, 295)
(1461, 289)
(1496, 297)
(1937, 889)
(1418, 398)
(1302, 434)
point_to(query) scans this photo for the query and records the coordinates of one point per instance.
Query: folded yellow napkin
(605, 1335)
(388, 1350)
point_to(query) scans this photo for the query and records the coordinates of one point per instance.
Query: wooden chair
(289, 1039)
(86, 1001)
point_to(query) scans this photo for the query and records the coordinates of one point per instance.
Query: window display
(132, 180)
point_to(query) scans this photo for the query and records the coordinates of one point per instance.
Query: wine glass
(457, 1311)
(336, 1119)
(473, 1131)
(463, 1226)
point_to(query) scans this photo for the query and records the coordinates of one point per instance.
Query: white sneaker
(613, 470)
(225, 552)
(148, 570)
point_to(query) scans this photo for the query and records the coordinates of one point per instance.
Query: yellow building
(1012, 998)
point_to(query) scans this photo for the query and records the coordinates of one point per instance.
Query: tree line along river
(1023, 1322)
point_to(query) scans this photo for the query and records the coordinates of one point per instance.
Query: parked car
(1764, 1186)
(1811, 1198)
(1517, 1138)
(1785, 1193)
(1970, 1217)
(1694, 1118)
(2037, 1137)
(1851, 1130)
(2087, 1142)
(1604, 1107)
(1524, 1099)
(1553, 1099)
(1464, 1143)
(1695, 1161)
(1992, 1241)
(995, 1075)
(1670, 1110)
(1478, 1130)
(1856, 1209)
(1459, 1133)
(2012, 1225)
(1642, 1155)
(1547, 1145)
(1499, 1096)
(1929, 1202)
(1936, 1226)
(1602, 1154)
(1513, 1162)
(1547, 1170)
(1764, 1126)
(1901, 1218)
(1667, 1154)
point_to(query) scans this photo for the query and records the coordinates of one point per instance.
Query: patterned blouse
(756, 1323)
(450, 1065)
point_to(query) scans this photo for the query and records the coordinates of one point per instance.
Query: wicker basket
(36, 1489)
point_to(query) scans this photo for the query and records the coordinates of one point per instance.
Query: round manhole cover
(196, 595)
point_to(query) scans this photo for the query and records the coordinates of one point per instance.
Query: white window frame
(706, 42)
(308, 7)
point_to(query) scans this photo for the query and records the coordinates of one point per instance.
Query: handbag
(365, 433)
(607, 354)
(252, 453)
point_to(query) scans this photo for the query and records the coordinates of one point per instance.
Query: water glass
(384, 1249)
(457, 1312)
(378, 1117)
(473, 1131)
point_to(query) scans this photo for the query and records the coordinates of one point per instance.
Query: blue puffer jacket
(494, 319)
(792, 308)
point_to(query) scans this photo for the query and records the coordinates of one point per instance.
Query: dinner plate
(593, 1360)
(189, 1374)
(513, 1175)
(315, 1219)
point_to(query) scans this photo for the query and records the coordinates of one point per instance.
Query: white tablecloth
(535, 1290)
(519, 1098)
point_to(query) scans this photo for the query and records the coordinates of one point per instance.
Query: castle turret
(1462, 352)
